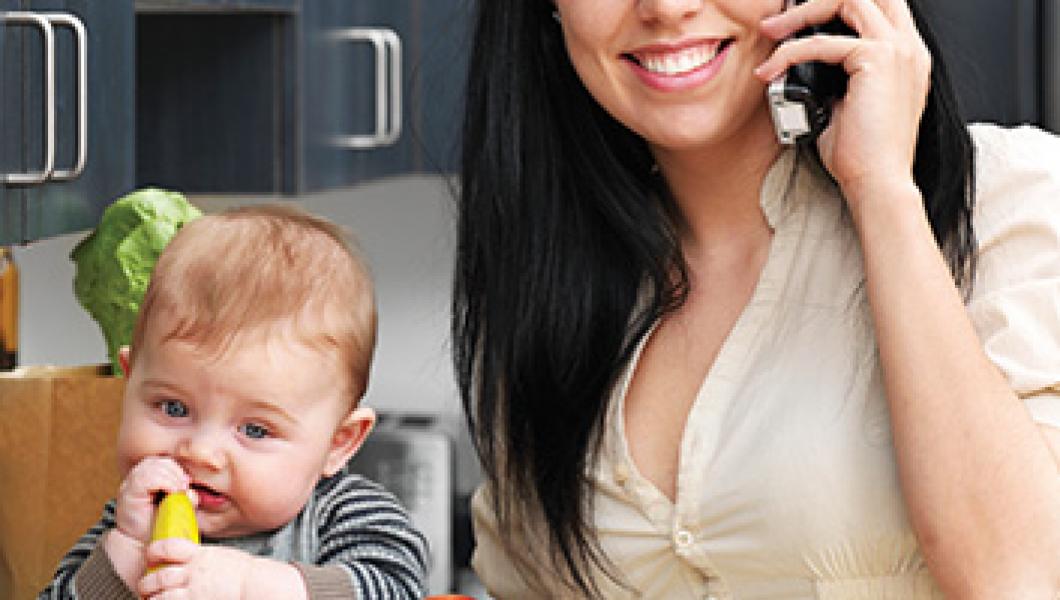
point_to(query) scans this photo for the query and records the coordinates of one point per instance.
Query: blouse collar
(779, 180)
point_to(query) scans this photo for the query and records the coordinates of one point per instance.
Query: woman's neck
(717, 187)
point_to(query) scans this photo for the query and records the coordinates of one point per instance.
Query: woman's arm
(977, 474)
(498, 570)
(978, 477)
(1052, 437)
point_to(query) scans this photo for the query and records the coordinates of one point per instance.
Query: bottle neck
(9, 297)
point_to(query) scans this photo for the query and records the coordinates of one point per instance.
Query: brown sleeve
(97, 579)
(326, 582)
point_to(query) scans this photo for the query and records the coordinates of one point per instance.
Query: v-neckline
(779, 182)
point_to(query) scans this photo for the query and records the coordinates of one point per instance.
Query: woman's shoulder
(1017, 224)
(1005, 155)
(1017, 174)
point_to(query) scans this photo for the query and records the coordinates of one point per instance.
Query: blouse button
(683, 538)
(621, 474)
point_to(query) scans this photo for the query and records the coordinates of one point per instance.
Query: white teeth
(676, 63)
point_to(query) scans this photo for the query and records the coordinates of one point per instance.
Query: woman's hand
(871, 140)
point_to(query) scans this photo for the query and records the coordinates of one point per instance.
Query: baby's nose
(203, 449)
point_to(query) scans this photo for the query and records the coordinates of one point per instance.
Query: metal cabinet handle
(388, 116)
(81, 34)
(29, 18)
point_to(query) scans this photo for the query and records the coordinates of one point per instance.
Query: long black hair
(567, 252)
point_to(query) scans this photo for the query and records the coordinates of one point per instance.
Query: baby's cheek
(133, 446)
(273, 502)
(125, 458)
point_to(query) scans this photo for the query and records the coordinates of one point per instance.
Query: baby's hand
(135, 505)
(188, 570)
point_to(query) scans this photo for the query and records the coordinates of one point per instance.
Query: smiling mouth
(677, 62)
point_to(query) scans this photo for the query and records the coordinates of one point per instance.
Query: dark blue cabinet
(66, 98)
(215, 89)
(383, 87)
(263, 97)
(999, 80)
(290, 97)
(10, 209)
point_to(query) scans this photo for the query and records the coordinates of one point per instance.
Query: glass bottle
(8, 310)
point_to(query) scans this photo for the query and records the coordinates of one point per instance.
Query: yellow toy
(175, 519)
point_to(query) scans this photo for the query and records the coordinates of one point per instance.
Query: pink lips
(681, 81)
(209, 499)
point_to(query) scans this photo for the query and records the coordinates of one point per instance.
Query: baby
(250, 355)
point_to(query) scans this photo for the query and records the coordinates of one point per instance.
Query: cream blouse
(787, 485)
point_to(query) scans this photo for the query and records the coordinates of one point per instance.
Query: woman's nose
(668, 11)
(204, 449)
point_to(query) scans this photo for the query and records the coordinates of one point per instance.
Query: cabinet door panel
(212, 118)
(170, 6)
(340, 91)
(62, 206)
(11, 41)
(435, 103)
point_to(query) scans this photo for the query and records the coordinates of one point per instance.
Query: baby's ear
(123, 360)
(349, 436)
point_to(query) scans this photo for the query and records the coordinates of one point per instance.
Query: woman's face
(677, 72)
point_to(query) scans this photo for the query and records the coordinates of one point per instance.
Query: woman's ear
(348, 438)
(123, 360)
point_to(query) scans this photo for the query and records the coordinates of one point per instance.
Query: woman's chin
(697, 135)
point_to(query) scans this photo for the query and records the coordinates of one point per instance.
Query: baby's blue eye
(255, 431)
(174, 408)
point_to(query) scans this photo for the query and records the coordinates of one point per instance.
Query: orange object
(8, 310)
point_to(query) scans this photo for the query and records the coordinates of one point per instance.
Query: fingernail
(769, 20)
(770, 27)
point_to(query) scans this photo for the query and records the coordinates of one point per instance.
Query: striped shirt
(351, 540)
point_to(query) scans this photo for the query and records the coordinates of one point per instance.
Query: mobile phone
(801, 98)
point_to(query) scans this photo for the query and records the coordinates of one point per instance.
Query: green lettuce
(114, 263)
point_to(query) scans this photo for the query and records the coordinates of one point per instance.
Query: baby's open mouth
(208, 497)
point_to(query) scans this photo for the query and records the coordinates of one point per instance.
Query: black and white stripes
(362, 527)
(351, 531)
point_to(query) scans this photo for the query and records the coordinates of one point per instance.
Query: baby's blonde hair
(258, 267)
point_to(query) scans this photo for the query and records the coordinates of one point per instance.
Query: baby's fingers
(171, 551)
(164, 582)
(155, 474)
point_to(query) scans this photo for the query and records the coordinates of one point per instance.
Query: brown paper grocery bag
(58, 428)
